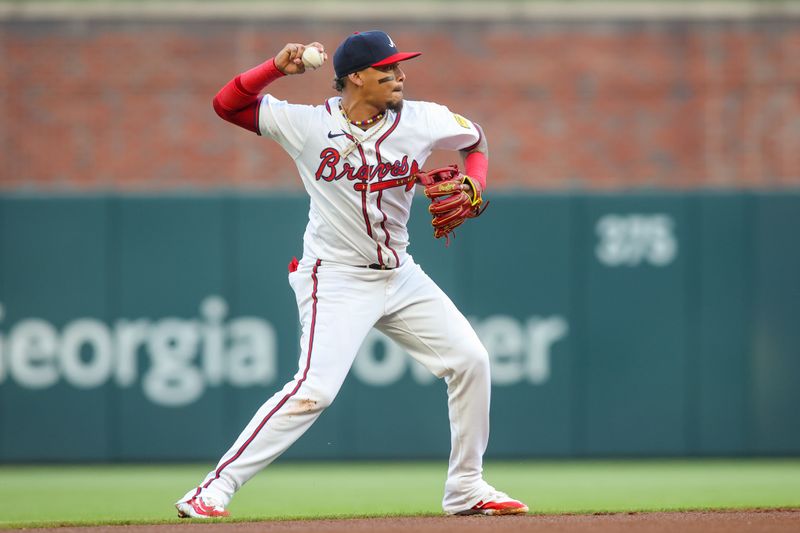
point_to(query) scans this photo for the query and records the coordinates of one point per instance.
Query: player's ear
(355, 78)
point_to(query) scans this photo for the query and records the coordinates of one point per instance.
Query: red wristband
(476, 166)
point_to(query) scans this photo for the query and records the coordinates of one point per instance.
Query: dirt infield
(777, 521)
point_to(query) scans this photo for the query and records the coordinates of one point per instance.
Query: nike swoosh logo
(331, 135)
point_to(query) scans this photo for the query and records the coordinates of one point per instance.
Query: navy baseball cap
(367, 49)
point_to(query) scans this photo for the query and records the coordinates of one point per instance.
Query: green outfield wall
(151, 328)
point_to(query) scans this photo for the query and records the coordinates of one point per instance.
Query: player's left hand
(290, 59)
(454, 197)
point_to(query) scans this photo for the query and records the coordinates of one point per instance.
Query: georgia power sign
(186, 356)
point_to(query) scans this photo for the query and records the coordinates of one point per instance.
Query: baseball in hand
(312, 58)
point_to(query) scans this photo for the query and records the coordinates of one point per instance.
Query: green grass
(439, 1)
(47, 495)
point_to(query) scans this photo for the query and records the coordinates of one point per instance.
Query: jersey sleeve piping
(477, 143)
(258, 117)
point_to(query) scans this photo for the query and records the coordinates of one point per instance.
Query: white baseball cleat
(201, 507)
(496, 503)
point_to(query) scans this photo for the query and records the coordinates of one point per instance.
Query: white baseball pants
(338, 306)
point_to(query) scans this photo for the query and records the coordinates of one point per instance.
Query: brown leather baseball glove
(451, 202)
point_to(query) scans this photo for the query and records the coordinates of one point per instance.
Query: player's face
(385, 86)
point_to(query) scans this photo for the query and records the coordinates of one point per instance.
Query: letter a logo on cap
(391, 42)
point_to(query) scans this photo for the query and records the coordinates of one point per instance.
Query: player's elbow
(246, 118)
(219, 109)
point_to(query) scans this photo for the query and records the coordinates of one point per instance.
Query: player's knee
(481, 359)
(312, 401)
(475, 360)
(325, 400)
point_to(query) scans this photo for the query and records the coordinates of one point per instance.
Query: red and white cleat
(200, 507)
(498, 503)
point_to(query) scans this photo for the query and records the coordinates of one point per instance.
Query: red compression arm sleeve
(238, 101)
(476, 165)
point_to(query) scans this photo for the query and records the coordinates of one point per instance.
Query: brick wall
(126, 105)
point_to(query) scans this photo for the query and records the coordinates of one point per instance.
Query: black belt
(376, 266)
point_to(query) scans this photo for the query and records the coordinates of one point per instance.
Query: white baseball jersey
(360, 203)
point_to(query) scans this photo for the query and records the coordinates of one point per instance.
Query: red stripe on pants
(283, 401)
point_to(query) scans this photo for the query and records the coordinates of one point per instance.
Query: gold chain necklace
(356, 141)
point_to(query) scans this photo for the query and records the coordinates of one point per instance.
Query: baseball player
(359, 155)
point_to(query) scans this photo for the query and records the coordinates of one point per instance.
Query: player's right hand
(290, 59)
